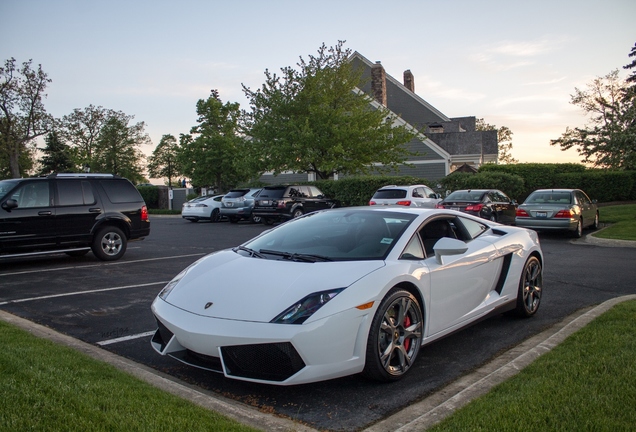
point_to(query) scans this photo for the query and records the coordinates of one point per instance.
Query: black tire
(215, 216)
(493, 217)
(234, 219)
(392, 346)
(578, 232)
(595, 225)
(530, 288)
(255, 219)
(109, 244)
(297, 213)
(267, 221)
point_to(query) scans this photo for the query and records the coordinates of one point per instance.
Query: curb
(422, 415)
(416, 417)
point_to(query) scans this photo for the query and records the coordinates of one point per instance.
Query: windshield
(465, 196)
(6, 186)
(332, 235)
(549, 198)
(390, 194)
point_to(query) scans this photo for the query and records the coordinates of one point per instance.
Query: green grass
(45, 386)
(623, 220)
(586, 383)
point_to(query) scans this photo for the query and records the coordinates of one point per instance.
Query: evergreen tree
(57, 156)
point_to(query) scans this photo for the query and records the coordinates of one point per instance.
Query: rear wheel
(255, 219)
(234, 219)
(578, 232)
(267, 221)
(215, 216)
(530, 288)
(595, 224)
(297, 213)
(109, 244)
(395, 337)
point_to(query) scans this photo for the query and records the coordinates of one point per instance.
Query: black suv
(275, 203)
(71, 213)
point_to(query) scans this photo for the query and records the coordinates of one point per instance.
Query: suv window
(32, 194)
(272, 192)
(236, 193)
(120, 191)
(390, 193)
(72, 192)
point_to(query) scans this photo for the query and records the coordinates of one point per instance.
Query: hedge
(150, 194)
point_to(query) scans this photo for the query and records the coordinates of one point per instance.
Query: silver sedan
(568, 210)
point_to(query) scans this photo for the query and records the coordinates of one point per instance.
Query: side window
(315, 192)
(120, 191)
(472, 228)
(304, 192)
(417, 193)
(33, 194)
(429, 193)
(413, 250)
(74, 192)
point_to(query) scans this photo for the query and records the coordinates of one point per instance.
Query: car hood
(254, 289)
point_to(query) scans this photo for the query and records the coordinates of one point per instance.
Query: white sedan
(203, 208)
(344, 291)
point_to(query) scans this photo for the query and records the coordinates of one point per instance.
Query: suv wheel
(109, 244)
(297, 213)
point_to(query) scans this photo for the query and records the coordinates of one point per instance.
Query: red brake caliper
(407, 342)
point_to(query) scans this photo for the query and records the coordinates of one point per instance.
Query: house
(443, 143)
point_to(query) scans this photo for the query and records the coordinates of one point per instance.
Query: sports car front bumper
(282, 354)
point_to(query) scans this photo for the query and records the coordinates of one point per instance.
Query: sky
(514, 64)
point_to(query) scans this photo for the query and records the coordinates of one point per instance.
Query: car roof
(401, 186)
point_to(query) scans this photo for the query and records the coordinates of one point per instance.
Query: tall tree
(163, 161)
(22, 114)
(609, 138)
(314, 119)
(632, 65)
(57, 156)
(504, 139)
(82, 128)
(214, 153)
(117, 150)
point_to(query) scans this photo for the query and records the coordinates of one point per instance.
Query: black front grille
(201, 361)
(268, 362)
(162, 336)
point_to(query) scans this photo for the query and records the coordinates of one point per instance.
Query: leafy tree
(214, 153)
(57, 156)
(504, 138)
(314, 119)
(609, 138)
(82, 128)
(22, 114)
(163, 161)
(117, 151)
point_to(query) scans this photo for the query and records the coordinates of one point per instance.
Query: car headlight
(163, 294)
(303, 309)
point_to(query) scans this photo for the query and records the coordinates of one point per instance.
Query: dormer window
(435, 128)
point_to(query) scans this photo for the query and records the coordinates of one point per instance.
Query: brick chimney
(409, 81)
(378, 83)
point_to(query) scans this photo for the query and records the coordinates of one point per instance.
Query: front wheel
(395, 337)
(109, 244)
(215, 216)
(297, 213)
(530, 288)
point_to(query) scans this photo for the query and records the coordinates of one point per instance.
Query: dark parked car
(491, 204)
(276, 203)
(238, 204)
(71, 213)
(568, 210)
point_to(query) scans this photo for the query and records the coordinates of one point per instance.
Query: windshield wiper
(252, 252)
(296, 256)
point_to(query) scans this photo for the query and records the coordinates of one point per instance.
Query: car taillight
(565, 214)
(438, 205)
(280, 204)
(404, 203)
(522, 213)
(144, 213)
(475, 207)
(371, 202)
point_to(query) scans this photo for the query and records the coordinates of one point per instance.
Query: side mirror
(447, 246)
(9, 204)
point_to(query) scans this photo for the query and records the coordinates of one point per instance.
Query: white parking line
(81, 292)
(102, 264)
(125, 338)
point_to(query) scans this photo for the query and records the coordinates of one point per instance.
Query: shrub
(150, 194)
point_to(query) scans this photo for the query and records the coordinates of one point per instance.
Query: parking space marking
(102, 264)
(126, 338)
(81, 292)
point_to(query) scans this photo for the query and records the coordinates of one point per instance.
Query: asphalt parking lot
(108, 305)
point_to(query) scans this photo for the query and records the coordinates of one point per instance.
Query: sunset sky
(513, 64)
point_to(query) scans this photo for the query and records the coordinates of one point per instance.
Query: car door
(31, 224)
(320, 201)
(587, 209)
(460, 284)
(77, 208)
(506, 210)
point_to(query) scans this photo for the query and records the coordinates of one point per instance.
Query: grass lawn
(586, 383)
(48, 387)
(623, 220)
